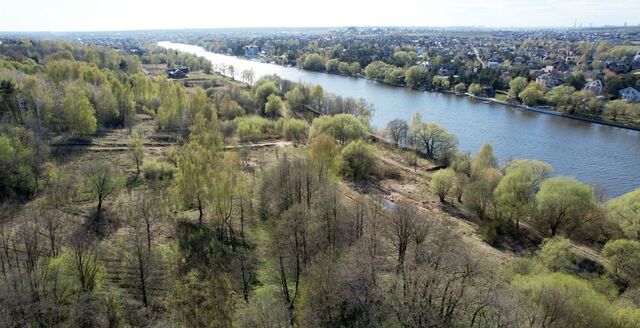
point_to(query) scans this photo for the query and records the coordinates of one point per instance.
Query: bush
(342, 127)
(571, 301)
(475, 89)
(624, 260)
(292, 129)
(252, 128)
(490, 232)
(158, 171)
(229, 109)
(358, 161)
(556, 255)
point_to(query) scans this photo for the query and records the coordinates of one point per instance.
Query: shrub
(358, 161)
(252, 128)
(556, 255)
(228, 109)
(158, 171)
(292, 129)
(342, 127)
(274, 106)
(624, 259)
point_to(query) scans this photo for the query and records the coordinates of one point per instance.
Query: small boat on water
(486, 102)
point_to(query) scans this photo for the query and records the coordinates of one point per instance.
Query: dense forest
(129, 199)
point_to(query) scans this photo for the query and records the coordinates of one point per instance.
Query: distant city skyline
(90, 15)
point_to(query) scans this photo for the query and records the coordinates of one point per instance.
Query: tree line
(200, 236)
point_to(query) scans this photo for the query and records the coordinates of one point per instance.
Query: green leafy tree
(624, 259)
(556, 255)
(228, 109)
(561, 97)
(460, 87)
(532, 94)
(19, 165)
(563, 205)
(274, 106)
(441, 183)
(624, 213)
(416, 77)
(477, 196)
(357, 161)
(78, 114)
(314, 62)
(616, 108)
(475, 89)
(343, 68)
(354, 69)
(394, 76)
(434, 141)
(194, 178)
(515, 194)
(332, 65)
(293, 129)
(561, 300)
(517, 85)
(324, 155)
(405, 58)
(484, 159)
(297, 99)
(342, 127)
(263, 91)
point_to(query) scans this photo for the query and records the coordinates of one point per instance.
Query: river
(592, 153)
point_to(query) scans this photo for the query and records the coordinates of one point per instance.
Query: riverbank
(573, 147)
(552, 112)
(520, 107)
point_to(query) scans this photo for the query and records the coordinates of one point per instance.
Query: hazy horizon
(120, 15)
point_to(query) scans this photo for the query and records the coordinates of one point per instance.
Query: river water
(592, 153)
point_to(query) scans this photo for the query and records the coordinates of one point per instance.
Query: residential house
(629, 94)
(493, 64)
(548, 69)
(616, 66)
(594, 86)
(251, 51)
(635, 64)
(550, 80)
(444, 71)
(178, 73)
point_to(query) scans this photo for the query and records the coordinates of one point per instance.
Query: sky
(107, 15)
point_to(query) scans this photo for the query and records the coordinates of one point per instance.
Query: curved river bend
(595, 154)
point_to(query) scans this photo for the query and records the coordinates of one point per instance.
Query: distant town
(579, 71)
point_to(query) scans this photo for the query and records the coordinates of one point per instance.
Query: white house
(629, 94)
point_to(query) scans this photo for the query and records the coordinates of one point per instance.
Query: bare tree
(401, 227)
(397, 131)
(101, 181)
(86, 263)
(438, 291)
